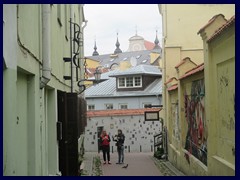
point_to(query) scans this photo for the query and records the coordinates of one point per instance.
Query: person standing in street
(105, 144)
(120, 138)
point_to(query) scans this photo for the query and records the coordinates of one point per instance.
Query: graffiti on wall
(175, 123)
(196, 138)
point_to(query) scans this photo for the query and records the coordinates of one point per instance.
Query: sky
(106, 20)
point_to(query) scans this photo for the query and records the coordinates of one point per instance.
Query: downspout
(86, 21)
(164, 31)
(46, 46)
(71, 39)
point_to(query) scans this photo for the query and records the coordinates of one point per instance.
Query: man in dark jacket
(120, 138)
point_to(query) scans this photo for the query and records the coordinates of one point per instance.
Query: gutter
(46, 46)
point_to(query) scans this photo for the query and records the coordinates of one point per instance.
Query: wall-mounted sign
(151, 115)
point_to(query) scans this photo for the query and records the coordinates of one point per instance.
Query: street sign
(151, 115)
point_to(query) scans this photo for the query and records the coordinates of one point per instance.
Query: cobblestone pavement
(139, 164)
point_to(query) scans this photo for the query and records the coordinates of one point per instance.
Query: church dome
(136, 37)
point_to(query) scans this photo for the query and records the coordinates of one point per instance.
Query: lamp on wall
(97, 76)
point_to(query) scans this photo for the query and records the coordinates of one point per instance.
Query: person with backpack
(120, 138)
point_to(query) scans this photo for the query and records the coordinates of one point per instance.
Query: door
(99, 131)
(63, 151)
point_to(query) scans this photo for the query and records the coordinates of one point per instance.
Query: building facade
(219, 54)
(180, 37)
(194, 88)
(36, 39)
(118, 102)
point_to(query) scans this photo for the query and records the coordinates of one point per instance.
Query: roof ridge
(222, 28)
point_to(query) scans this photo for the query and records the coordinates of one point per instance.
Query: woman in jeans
(119, 138)
(105, 142)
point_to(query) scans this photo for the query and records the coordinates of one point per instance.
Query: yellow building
(181, 23)
(186, 108)
(219, 57)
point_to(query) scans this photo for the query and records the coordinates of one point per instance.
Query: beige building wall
(181, 24)
(220, 101)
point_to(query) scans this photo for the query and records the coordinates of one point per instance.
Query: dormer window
(130, 82)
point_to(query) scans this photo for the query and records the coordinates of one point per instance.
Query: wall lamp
(97, 76)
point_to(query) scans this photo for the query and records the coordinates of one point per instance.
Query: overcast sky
(105, 20)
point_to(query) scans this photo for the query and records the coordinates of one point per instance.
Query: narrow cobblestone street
(139, 164)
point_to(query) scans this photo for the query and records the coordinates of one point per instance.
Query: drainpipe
(71, 39)
(46, 46)
(86, 21)
(164, 31)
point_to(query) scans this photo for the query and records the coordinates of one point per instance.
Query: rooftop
(183, 61)
(173, 87)
(138, 70)
(108, 88)
(119, 112)
(222, 28)
(142, 57)
(198, 68)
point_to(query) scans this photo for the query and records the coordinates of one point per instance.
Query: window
(121, 82)
(137, 57)
(109, 106)
(137, 81)
(91, 107)
(130, 82)
(123, 106)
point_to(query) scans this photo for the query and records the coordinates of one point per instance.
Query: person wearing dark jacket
(120, 138)
(105, 143)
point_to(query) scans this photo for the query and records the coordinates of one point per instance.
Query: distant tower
(95, 53)
(117, 50)
(156, 42)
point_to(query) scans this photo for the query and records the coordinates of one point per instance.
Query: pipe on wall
(46, 46)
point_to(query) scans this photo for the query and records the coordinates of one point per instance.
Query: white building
(118, 103)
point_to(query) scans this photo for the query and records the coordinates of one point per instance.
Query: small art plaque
(151, 115)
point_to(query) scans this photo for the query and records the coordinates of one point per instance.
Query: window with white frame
(109, 106)
(121, 82)
(130, 82)
(91, 107)
(123, 106)
(137, 81)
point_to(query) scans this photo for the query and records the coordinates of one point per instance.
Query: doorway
(99, 131)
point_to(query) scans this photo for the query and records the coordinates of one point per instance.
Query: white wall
(137, 132)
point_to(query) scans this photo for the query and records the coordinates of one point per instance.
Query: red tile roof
(148, 45)
(210, 22)
(183, 61)
(199, 68)
(119, 112)
(173, 87)
(222, 28)
(170, 80)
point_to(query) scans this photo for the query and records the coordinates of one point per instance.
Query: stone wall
(138, 133)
